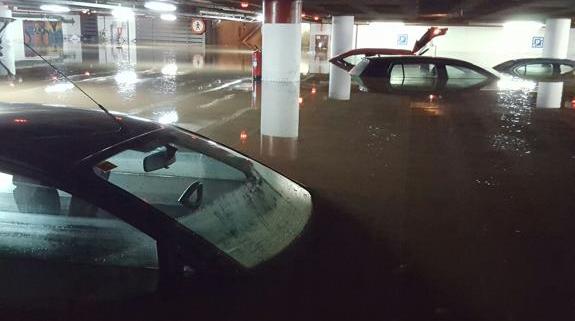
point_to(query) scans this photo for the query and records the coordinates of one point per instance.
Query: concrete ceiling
(444, 12)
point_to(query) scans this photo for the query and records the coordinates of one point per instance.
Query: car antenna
(122, 127)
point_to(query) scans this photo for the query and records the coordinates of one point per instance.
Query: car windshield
(243, 208)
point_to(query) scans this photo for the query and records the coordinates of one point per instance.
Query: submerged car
(92, 203)
(539, 68)
(408, 74)
(349, 59)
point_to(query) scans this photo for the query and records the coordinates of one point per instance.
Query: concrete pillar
(549, 95)
(5, 12)
(281, 40)
(7, 57)
(556, 42)
(341, 41)
(279, 119)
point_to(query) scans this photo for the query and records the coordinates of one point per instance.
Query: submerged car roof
(49, 138)
(514, 62)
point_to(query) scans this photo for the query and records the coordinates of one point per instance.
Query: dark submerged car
(418, 74)
(95, 205)
(542, 69)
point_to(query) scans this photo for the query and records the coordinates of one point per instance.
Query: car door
(57, 248)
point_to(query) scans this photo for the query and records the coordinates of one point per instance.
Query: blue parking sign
(402, 40)
(537, 42)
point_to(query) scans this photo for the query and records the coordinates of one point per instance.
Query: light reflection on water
(516, 108)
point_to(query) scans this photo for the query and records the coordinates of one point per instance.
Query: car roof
(48, 138)
(429, 59)
(539, 60)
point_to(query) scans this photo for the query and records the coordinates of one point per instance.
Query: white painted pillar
(549, 95)
(556, 42)
(341, 41)
(280, 119)
(7, 56)
(5, 12)
(281, 40)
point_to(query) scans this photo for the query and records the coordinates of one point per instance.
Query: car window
(462, 77)
(413, 75)
(244, 209)
(535, 70)
(375, 68)
(354, 60)
(39, 221)
(460, 72)
(566, 69)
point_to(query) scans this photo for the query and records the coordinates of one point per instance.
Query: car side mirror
(161, 159)
(193, 196)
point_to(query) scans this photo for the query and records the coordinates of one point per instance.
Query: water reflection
(279, 119)
(514, 83)
(515, 99)
(7, 60)
(170, 69)
(169, 117)
(58, 88)
(315, 64)
(549, 95)
(339, 83)
(109, 54)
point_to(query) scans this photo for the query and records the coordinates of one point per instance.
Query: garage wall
(106, 24)
(154, 29)
(484, 46)
(237, 34)
(71, 32)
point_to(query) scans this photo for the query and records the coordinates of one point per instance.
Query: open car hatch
(349, 59)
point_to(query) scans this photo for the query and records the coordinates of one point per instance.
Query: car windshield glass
(243, 208)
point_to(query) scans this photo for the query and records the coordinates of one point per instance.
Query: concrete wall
(105, 27)
(322, 29)
(71, 32)
(238, 34)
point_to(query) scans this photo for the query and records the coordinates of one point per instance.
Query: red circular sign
(198, 26)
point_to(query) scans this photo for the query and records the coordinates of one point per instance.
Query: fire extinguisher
(257, 65)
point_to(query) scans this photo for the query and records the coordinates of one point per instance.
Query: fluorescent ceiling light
(168, 17)
(54, 8)
(523, 25)
(123, 13)
(160, 6)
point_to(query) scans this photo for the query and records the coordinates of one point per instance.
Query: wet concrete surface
(455, 207)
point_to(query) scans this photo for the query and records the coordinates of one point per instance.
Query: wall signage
(198, 26)
(537, 42)
(402, 40)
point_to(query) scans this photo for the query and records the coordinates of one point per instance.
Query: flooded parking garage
(437, 200)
